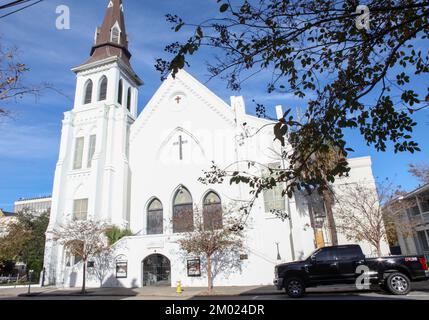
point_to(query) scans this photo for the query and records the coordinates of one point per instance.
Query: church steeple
(111, 38)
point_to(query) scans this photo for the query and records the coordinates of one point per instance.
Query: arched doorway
(156, 271)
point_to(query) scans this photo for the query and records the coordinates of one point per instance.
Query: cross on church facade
(180, 144)
(178, 99)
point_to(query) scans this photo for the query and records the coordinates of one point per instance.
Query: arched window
(115, 35)
(155, 217)
(183, 213)
(88, 92)
(212, 212)
(103, 89)
(120, 91)
(129, 99)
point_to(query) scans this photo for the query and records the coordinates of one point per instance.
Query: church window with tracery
(155, 217)
(183, 212)
(212, 212)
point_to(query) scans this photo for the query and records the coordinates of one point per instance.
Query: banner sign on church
(121, 269)
(194, 268)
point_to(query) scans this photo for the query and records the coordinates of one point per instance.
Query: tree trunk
(84, 278)
(330, 215)
(379, 249)
(209, 274)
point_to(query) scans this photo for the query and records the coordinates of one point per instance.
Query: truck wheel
(398, 283)
(294, 287)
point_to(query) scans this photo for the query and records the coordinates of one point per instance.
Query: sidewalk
(165, 292)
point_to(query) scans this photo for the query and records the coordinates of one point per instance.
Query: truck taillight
(423, 263)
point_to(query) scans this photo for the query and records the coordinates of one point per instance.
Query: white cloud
(27, 141)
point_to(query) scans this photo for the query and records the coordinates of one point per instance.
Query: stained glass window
(212, 212)
(155, 218)
(183, 213)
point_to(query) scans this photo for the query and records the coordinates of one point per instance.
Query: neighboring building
(6, 218)
(416, 214)
(37, 205)
(140, 171)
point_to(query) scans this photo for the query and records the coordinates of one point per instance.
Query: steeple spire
(111, 38)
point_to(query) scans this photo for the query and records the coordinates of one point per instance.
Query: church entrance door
(156, 271)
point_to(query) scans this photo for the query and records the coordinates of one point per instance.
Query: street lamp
(30, 275)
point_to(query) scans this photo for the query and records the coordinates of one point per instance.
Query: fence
(12, 279)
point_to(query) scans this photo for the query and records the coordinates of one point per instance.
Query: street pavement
(420, 291)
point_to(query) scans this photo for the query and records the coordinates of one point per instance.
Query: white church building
(140, 172)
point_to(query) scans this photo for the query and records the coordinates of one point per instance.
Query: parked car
(341, 265)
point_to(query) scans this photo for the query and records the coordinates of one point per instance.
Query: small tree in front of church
(83, 239)
(218, 241)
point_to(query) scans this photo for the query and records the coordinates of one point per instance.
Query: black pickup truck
(348, 265)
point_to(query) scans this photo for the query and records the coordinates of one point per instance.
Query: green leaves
(199, 32)
(114, 234)
(224, 7)
(179, 26)
(25, 241)
(351, 79)
(280, 131)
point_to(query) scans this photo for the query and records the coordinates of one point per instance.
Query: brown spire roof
(104, 47)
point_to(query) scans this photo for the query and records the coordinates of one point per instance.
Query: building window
(91, 150)
(120, 91)
(155, 217)
(129, 99)
(103, 89)
(88, 92)
(423, 240)
(424, 202)
(183, 212)
(273, 198)
(212, 212)
(78, 153)
(80, 209)
(115, 35)
(414, 211)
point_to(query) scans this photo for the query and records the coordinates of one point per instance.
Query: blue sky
(30, 139)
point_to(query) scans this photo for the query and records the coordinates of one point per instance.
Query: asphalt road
(420, 291)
